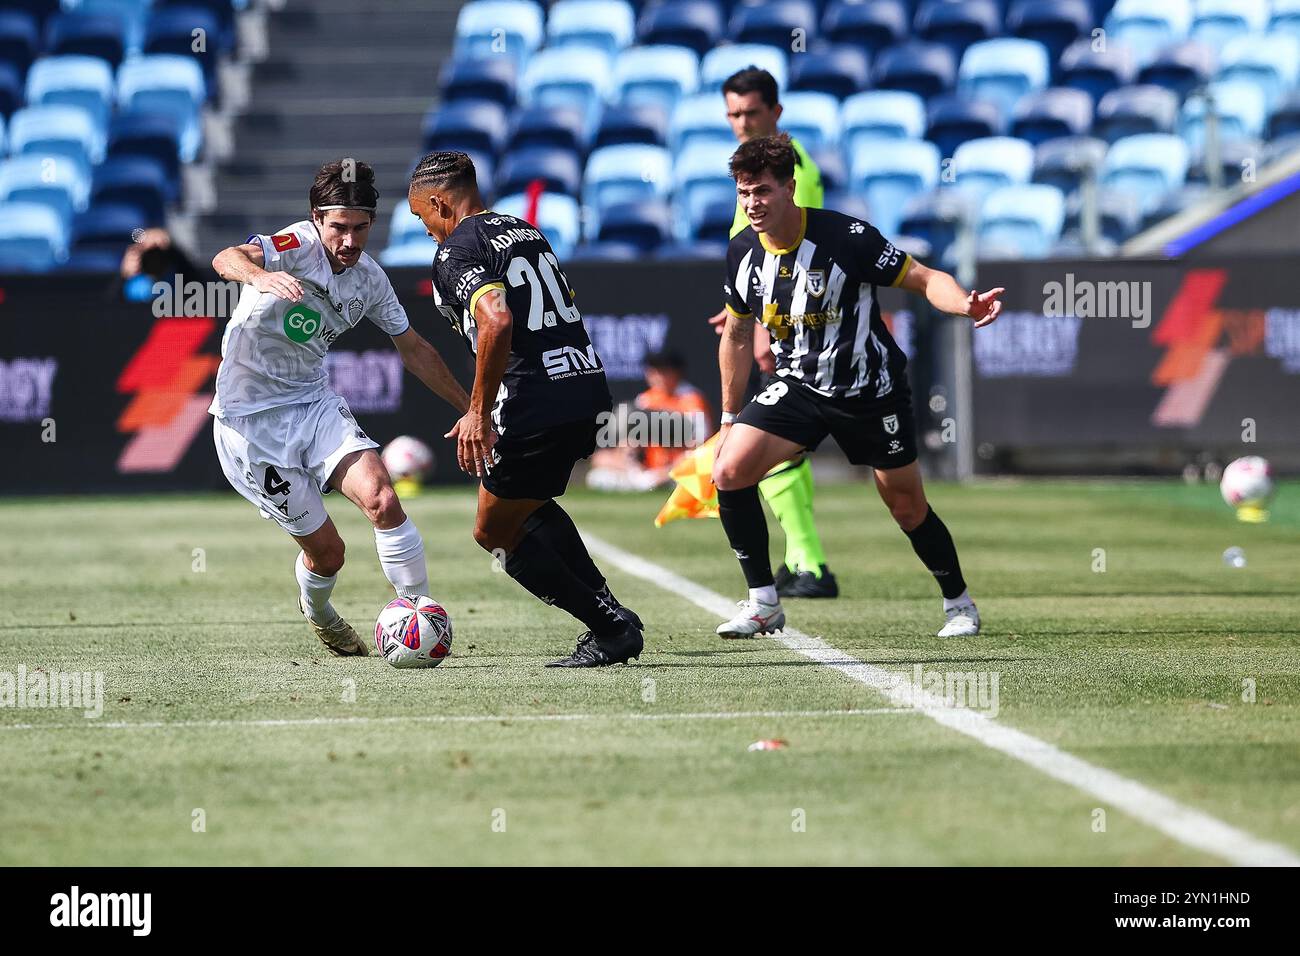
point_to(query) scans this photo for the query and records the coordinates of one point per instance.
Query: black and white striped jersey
(818, 299)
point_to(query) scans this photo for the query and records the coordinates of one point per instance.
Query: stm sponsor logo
(568, 361)
(75, 908)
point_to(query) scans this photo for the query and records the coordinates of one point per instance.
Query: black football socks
(746, 528)
(546, 575)
(933, 545)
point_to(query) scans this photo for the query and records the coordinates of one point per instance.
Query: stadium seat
(1285, 119)
(869, 26)
(493, 78)
(1176, 202)
(562, 127)
(1051, 113)
(156, 135)
(83, 81)
(171, 30)
(643, 123)
(1270, 62)
(1242, 108)
(557, 217)
(775, 23)
(34, 237)
(20, 40)
(88, 34)
(1236, 157)
(982, 165)
(1285, 17)
(936, 217)
(1147, 26)
(557, 169)
(849, 204)
(1063, 163)
(701, 118)
(484, 171)
(811, 118)
(567, 76)
(1096, 72)
(166, 83)
(1118, 215)
(888, 178)
(466, 125)
(417, 251)
(659, 75)
(700, 176)
(646, 224)
(59, 129)
(609, 25)
(958, 23)
(1132, 110)
(880, 114)
(135, 13)
(482, 26)
(94, 260)
(840, 70)
(830, 161)
(1146, 167)
(11, 91)
(720, 62)
(1053, 23)
(135, 181)
(403, 227)
(1215, 22)
(1281, 148)
(626, 173)
(699, 250)
(108, 226)
(715, 221)
(926, 69)
(1181, 67)
(1003, 70)
(684, 23)
(58, 182)
(606, 252)
(953, 119)
(1027, 218)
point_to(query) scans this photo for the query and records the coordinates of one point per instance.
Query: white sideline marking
(455, 719)
(1182, 823)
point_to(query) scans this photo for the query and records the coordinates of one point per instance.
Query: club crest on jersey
(816, 282)
(757, 284)
(891, 424)
(285, 241)
(355, 308)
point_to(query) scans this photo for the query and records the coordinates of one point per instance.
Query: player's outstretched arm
(244, 264)
(423, 361)
(473, 432)
(735, 358)
(945, 294)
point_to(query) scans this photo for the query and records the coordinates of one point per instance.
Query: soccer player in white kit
(283, 437)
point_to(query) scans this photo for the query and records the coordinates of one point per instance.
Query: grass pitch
(1114, 628)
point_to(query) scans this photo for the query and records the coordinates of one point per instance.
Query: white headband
(358, 208)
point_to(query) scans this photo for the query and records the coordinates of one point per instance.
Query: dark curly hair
(774, 153)
(345, 182)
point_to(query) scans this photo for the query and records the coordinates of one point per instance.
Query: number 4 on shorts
(274, 484)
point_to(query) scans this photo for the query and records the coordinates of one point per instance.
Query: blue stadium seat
(1003, 70)
(156, 135)
(936, 217)
(58, 129)
(714, 222)
(626, 173)
(880, 114)
(557, 217)
(642, 123)
(720, 62)
(133, 14)
(1235, 158)
(1215, 22)
(701, 118)
(870, 26)
(484, 170)
(1027, 218)
(698, 250)
(1133, 110)
(466, 125)
(484, 26)
(417, 251)
(849, 204)
(1272, 62)
(958, 23)
(20, 39)
(83, 81)
(953, 119)
(563, 127)
(1096, 72)
(840, 70)
(171, 30)
(835, 174)
(1285, 17)
(11, 91)
(109, 227)
(775, 23)
(1146, 167)
(34, 237)
(54, 181)
(1282, 148)
(558, 170)
(1147, 26)
(1285, 119)
(492, 78)
(223, 10)
(1063, 163)
(135, 181)
(609, 25)
(1052, 113)
(811, 118)
(888, 178)
(646, 225)
(700, 176)
(982, 165)
(166, 83)
(1181, 67)
(1242, 108)
(1119, 215)
(1176, 202)
(94, 260)
(606, 252)
(1053, 23)
(660, 75)
(696, 26)
(89, 34)
(403, 227)
(567, 76)
(926, 69)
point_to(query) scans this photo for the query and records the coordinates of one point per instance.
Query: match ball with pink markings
(413, 632)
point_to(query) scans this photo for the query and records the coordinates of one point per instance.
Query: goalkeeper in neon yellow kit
(753, 111)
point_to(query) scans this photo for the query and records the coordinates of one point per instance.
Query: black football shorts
(538, 464)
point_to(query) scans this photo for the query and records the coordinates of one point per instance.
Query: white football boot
(963, 621)
(339, 638)
(754, 618)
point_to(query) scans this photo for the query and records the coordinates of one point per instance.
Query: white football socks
(765, 595)
(401, 555)
(958, 601)
(315, 590)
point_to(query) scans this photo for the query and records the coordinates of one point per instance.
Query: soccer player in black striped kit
(810, 276)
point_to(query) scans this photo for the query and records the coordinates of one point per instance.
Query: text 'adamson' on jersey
(273, 351)
(818, 300)
(553, 374)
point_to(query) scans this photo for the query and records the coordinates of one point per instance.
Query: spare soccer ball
(1247, 483)
(413, 632)
(407, 457)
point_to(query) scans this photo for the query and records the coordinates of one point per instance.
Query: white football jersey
(273, 351)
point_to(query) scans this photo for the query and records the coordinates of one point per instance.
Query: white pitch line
(1184, 824)
(456, 719)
